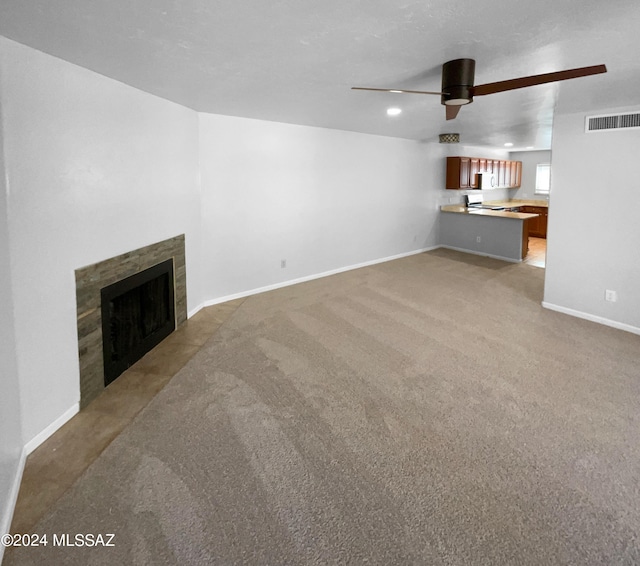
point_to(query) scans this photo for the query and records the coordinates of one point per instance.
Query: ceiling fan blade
(396, 90)
(452, 111)
(501, 86)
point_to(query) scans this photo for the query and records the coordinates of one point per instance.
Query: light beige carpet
(421, 411)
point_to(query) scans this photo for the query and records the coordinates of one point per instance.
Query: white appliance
(487, 180)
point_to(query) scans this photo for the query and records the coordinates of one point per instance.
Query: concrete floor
(56, 464)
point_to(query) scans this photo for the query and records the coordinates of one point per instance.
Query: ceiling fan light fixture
(457, 101)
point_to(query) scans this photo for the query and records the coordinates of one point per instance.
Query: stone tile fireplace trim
(92, 278)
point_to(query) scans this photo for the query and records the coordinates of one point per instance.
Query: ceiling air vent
(612, 122)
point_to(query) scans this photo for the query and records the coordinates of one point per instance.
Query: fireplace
(137, 314)
(102, 343)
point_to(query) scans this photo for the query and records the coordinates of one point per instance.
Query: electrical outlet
(610, 296)
(478, 239)
(283, 263)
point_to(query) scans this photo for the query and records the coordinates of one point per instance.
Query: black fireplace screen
(137, 314)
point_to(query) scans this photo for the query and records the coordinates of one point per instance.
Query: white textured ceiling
(295, 60)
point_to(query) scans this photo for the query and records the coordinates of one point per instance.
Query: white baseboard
(592, 318)
(312, 277)
(510, 260)
(7, 513)
(39, 438)
(29, 447)
(196, 310)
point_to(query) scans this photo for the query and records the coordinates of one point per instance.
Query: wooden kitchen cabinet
(533, 224)
(474, 169)
(544, 217)
(457, 173)
(505, 179)
(518, 173)
(500, 173)
(513, 173)
(462, 172)
(525, 239)
(537, 225)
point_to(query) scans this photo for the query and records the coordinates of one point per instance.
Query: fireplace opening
(137, 314)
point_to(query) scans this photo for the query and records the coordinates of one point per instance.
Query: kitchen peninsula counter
(494, 233)
(487, 212)
(518, 202)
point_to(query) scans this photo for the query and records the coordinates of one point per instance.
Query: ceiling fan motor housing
(457, 81)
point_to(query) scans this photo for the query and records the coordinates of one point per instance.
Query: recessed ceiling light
(393, 111)
(508, 144)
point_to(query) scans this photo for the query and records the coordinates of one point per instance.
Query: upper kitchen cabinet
(462, 172)
(474, 169)
(457, 172)
(502, 174)
(516, 173)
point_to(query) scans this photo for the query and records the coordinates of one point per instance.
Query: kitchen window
(543, 178)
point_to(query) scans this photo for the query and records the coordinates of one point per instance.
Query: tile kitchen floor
(53, 467)
(537, 252)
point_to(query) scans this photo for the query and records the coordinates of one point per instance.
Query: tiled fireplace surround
(92, 278)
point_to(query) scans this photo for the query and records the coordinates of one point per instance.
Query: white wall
(11, 441)
(94, 169)
(593, 231)
(530, 160)
(321, 199)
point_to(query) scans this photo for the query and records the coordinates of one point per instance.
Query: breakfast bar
(496, 233)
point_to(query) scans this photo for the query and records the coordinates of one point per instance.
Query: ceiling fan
(458, 88)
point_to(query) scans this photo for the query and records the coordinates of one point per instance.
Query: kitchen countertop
(518, 202)
(458, 208)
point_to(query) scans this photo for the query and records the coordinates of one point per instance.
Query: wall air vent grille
(612, 122)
